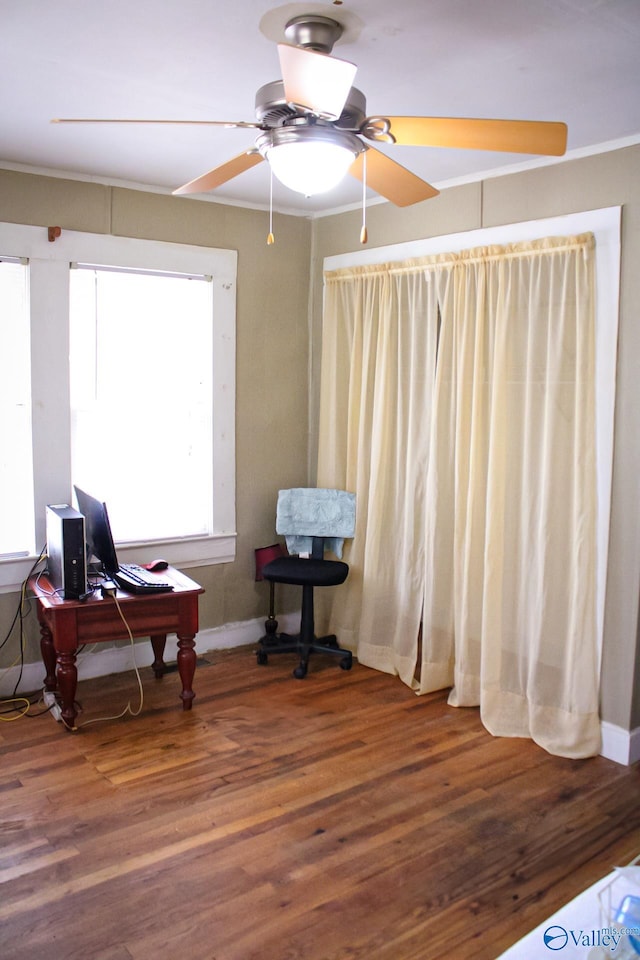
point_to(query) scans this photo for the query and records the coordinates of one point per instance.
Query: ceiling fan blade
(390, 179)
(204, 123)
(511, 136)
(315, 81)
(219, 175)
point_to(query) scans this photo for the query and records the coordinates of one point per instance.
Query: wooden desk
(67, 624)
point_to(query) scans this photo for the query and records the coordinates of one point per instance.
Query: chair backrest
(307, 512)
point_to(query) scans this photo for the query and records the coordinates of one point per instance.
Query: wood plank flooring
(332, 818)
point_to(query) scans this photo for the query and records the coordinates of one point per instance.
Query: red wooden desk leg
(186, 669)
(158, 665)
(48, 652)
(67, 683)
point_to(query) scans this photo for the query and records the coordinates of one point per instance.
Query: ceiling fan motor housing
(273, 110)
(303, 132)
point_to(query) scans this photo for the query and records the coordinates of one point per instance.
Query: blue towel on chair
(306, 512)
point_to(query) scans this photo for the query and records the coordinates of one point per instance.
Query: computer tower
(67, 563)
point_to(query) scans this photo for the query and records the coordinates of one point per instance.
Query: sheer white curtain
(378, 368)
(475, 479)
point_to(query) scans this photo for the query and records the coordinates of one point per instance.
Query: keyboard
(135, 579)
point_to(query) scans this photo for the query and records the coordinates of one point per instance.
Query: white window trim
(51, 424)
(605, 224)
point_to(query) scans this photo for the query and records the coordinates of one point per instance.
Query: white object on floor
(584, 929)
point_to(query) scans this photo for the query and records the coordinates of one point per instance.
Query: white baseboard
(95, 662)
(620, 745)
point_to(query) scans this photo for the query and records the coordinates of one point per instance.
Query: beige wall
(273, 389)
(272, 352)
(604, 180)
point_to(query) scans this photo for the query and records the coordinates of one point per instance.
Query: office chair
(311, 520)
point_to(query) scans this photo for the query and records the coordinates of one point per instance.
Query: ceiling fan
(314, 127)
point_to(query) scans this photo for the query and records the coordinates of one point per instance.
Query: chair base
(287, 643)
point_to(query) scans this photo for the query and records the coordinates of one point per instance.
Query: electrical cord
(23, 590)
(13, 698)
(41, 713)
(19, 711)
(34, 701)
(20, 616)
(128, 709)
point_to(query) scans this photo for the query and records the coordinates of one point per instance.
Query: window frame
(20, 362)
(49, 265)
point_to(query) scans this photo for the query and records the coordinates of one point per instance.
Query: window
(16, 513)
(141, 399)
(120, 330)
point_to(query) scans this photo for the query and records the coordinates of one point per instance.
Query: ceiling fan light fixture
(310, 168)
(309, 160)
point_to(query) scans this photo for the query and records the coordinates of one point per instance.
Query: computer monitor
(97, 531)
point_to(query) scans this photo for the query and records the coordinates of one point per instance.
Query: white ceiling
(571, 60)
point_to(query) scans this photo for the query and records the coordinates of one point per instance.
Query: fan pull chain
(364, 236)
(271, 239)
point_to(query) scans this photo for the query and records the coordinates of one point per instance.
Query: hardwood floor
(332, 818)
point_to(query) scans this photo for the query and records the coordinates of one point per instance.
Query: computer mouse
(156, 565)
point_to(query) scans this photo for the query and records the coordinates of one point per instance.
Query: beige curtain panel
(458, 403)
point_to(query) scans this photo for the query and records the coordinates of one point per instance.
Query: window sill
(185, 554)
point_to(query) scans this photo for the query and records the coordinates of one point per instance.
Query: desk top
(45, 591)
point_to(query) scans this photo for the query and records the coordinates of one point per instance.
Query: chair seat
(302, 571)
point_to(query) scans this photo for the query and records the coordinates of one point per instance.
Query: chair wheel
(261, 657)
(300, 671)
(347, 662)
